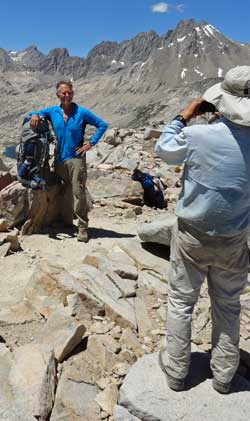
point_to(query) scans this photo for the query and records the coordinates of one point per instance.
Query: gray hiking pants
(224, 261)
(75, 199)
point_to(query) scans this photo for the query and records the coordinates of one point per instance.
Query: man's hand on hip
(81, 150)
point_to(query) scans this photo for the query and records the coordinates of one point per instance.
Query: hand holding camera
(197, 107)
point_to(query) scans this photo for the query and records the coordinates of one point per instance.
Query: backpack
(152, 192)
(33, 153)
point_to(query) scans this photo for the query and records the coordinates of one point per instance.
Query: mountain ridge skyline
(104, 41)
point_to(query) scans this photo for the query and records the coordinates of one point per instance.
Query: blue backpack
(152, 193)
(33, 154)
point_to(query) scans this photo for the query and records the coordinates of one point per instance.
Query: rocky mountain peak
(58, 53)
(139, 48)
(184, 27)
(193, 51)
(29, 57)
(106, 48)
(190, 31)
(4, 59)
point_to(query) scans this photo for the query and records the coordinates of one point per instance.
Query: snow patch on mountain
(183, 73)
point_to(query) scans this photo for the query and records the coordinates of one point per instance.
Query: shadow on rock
(199, 369)
(60, 232)
(158, 250)
(102, 233)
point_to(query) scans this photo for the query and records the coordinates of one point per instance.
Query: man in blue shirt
(69, 121)
(213, 214)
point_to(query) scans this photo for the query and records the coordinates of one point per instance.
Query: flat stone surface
(152, 280)
(15, 413)
(142, 257)
(75, 400)
(145, 394)
(19, 313)
(159, 230)
(62, 332)
(104, 289)
(6, 395)
(32, 378)
(122, 414)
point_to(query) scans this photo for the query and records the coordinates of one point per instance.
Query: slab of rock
(111, 343)
(110, 136)
(126, 164)
(98, 154)
(127, 287)
(14, 203)
(121, 368)
(18, 313)
(168, 175)
(145, 394)
(152, 280)
(122, 414)
(130, 340)
(52, 280)
(119, 262)
(123, 265)
(101, 327)
(152, 133)
(46, 305)
(77, 308)
(75, 400)
(11, 238)
(15, 413)
(62, 332)
(143, 258)
(98, 352)
(142, 317)
(159, 230)
(6, 395)
(105, 290)
(32, 378)
(108, 398)
(110, 185)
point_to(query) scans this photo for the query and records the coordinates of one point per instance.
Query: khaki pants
(224, 261)
(74, 199)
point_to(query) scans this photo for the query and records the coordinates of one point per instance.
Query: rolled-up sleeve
(172, 145)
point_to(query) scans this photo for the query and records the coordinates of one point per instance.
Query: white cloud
(163, 7)
(160, 7)
(180, 8)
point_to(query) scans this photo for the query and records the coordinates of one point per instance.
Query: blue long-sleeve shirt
(70, 134)
(215, 195)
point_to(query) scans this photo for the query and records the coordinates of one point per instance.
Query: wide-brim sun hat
(232, 96)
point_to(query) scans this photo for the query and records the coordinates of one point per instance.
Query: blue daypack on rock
(152, 193)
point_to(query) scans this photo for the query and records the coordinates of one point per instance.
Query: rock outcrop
(145, 394)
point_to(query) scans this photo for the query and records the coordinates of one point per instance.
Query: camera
(206, 107)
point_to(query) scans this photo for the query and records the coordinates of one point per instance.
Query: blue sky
(79, 25)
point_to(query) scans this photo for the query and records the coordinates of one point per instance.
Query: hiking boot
(223, 388)
(175, 384)
(83, 235)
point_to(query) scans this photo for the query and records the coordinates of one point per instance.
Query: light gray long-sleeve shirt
(215, 195)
